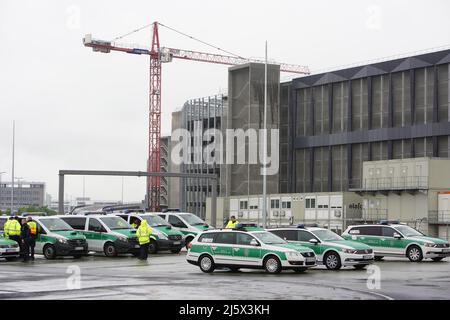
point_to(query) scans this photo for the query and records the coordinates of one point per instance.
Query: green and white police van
(331, 250)
(107, 234)
(9, 249)
(398, 240)
(56, 238)
(247, 247)
(189, 224)
(164, 236)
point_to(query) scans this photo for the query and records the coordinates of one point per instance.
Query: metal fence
(390, 183)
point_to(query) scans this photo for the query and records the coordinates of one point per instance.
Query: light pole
(1, 183)
(264, 207)
(122, 189)
(12, 173)
(19, 186)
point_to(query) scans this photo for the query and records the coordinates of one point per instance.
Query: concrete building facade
(25, 194)
(389, 110)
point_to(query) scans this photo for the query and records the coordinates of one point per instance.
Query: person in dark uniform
(25, 237)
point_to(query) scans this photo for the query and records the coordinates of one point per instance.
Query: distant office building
(197, 114)
(25, 194)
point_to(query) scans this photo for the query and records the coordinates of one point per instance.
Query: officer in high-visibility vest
(232, 223)
(12, 229)
(143, 233)
(33, 235)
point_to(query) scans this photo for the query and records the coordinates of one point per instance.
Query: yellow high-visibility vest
(143, 233)
(231, 224)
(33, 227)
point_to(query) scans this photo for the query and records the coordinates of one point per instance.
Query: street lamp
(19, 186)
(2, 172)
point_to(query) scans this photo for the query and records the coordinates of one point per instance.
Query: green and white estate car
(189, 224)
(9, 249)
(247, 247)
(398, 240)
(331, 249)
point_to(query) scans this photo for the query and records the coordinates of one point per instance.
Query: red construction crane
(159, 55)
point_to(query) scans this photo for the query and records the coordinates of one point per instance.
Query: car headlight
(351, 251)
(161, 235)
(293, 254)
(122, 239)
(429, 244)
(61, 240)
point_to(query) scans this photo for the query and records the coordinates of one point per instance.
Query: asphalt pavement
(169, 276)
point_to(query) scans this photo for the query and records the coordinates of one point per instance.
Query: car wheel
(360, 266)
(110, 250)
(414, 254)
(300, 270)
(152, 247)
(206, 263)
(176, 250)
(49, 252)
(272, 264)
(378, 258)
(332, 261)
(437, 259)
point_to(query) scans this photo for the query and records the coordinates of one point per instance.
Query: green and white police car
(164, 236)
(247, 247)
(9, 249)
(189, 224)
(390, 238)
(106, 234)
(331, 250)
(56, 238)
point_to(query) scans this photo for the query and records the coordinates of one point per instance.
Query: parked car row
(301, 247)
(109, 234)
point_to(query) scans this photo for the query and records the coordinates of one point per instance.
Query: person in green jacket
(143, 233)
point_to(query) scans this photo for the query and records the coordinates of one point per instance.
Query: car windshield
(56, 224)
(191, 219)
(408, 231)
(326, 235)
(115, 223)
(156, 221)
(269, 238)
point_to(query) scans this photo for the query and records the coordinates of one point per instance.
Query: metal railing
(439, 216)
(390, 183)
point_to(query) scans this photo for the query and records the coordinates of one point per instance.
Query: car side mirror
(254, 243)
(313, 241)
(397, 236)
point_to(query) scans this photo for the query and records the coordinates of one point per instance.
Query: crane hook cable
(201, 41)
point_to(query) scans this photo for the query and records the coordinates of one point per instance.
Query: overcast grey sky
(76, 109)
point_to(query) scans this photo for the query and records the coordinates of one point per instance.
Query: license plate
(12, 250)
(79, 248)
(310, 259)
(176, 242)
(136, 246)
(445, 250)
(367, 257)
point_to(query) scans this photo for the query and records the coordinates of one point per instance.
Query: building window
(243, 204)
(275, 204)
(310, 203)
(286, 204)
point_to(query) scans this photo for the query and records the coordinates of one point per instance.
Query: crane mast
(159, 55)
